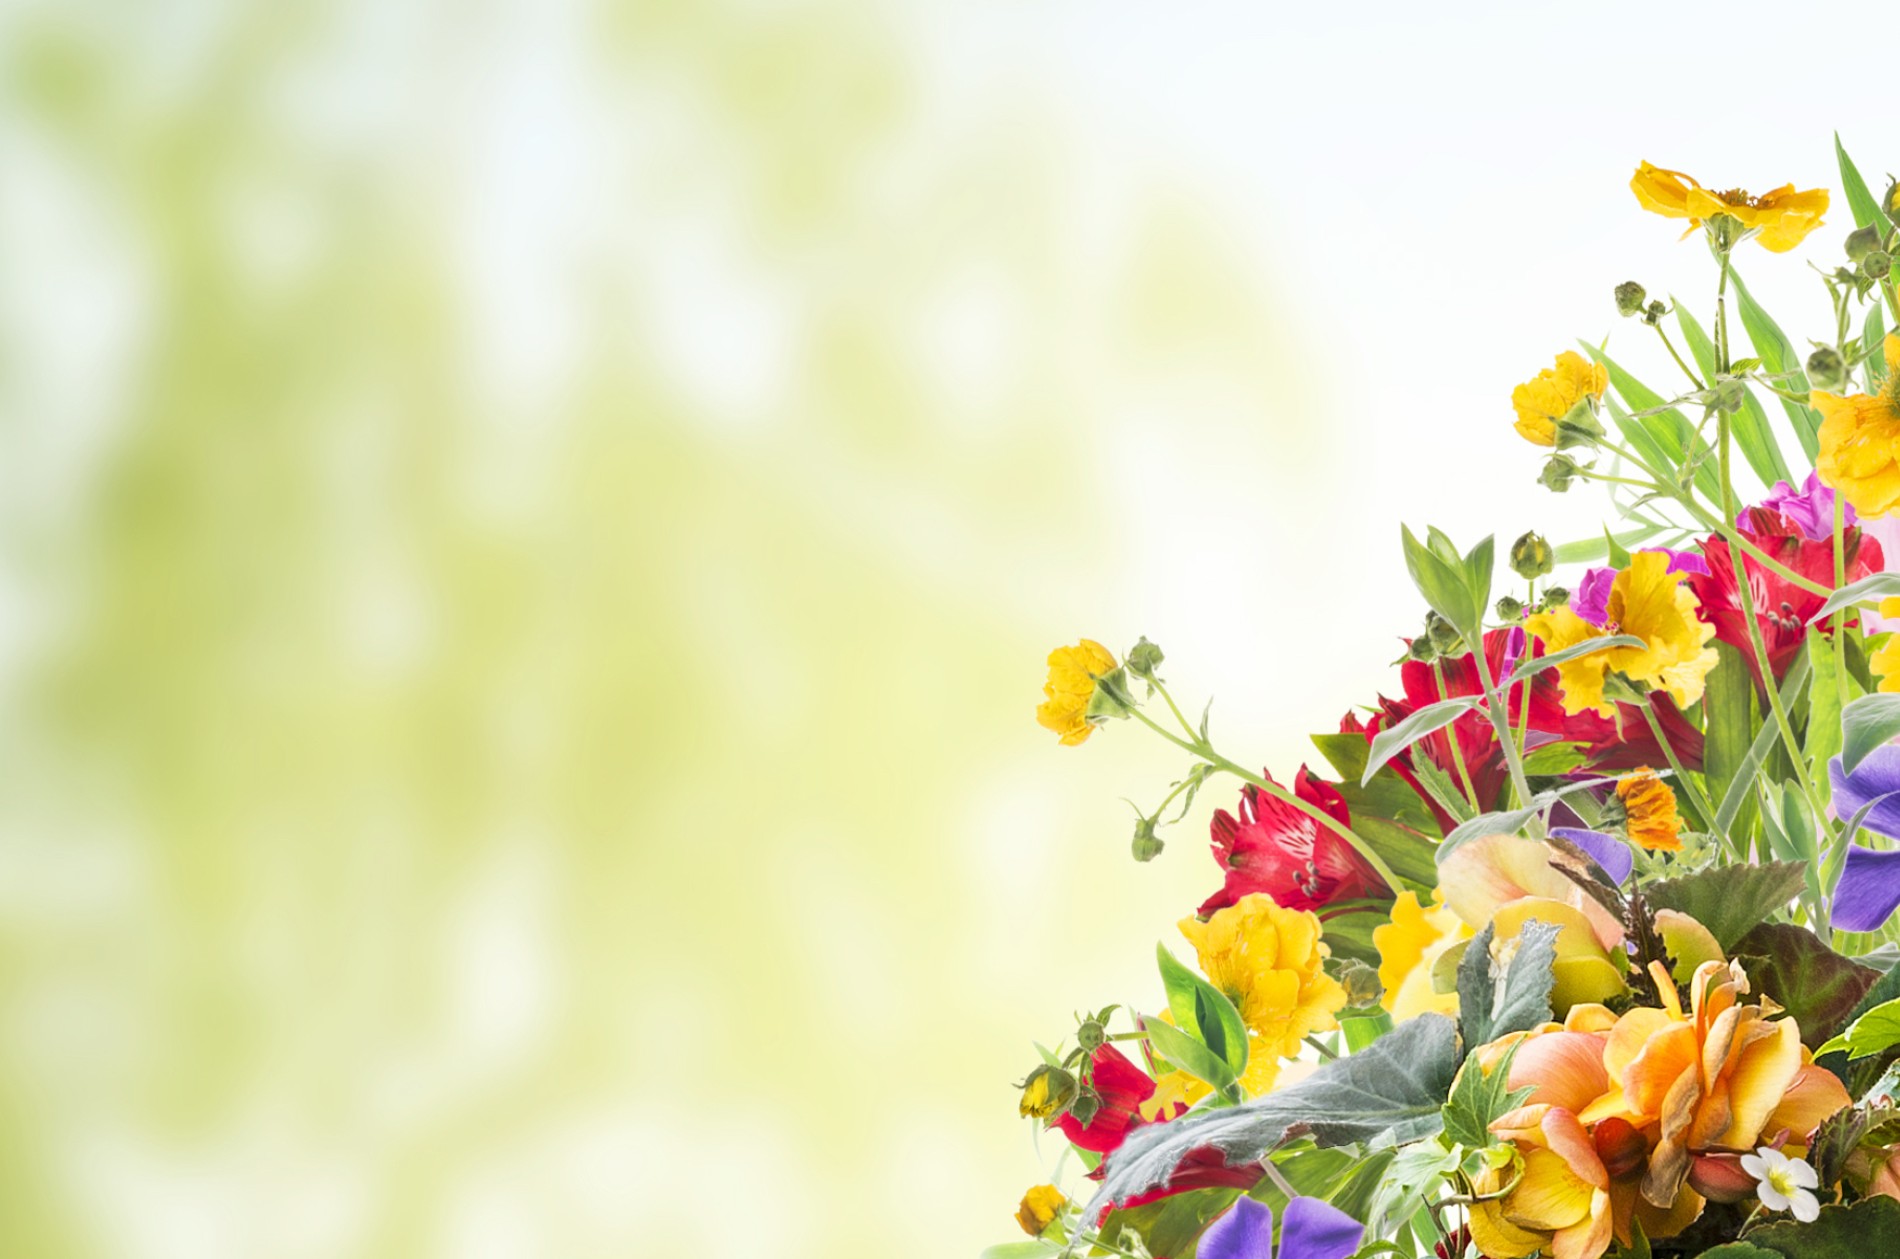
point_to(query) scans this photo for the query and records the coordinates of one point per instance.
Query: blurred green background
(531, 532)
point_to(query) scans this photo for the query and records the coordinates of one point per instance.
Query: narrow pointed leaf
(1879, 586)
(1778, 355)
(1750, 424)
(1530, 668)
(1389, 742)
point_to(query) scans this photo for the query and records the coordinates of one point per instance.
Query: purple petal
(1316, 1230)
(1683, 561)
(1246, 1232)
(1875, 781)
(1869, 890)
(1513, 651)
(1606, 850)
(1592, 600)
(1811, 509)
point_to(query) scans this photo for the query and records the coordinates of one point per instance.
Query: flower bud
(1144, 659)
(1090, 1035)
(1046, 1093)
(1554, 597)
(1039, 1209)
(1730, 395)
(1146, 845)
(1579, 426)
(1720, 1178)
(1862, 241)
(1892, 200)
(1361, 983)
(1619, 1145)
(1558, 473)
(1086, 1103)
(1876, 265)
(1826, 371)
(1654, 314)
(1443, 634)
(1509, 609)
(1421, 649)
(1531, 556)
(1110, 698)
(1630, 297)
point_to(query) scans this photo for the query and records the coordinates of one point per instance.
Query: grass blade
(1778, 356)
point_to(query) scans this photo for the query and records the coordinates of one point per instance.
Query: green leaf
(1037, 1249)
(1389, 1094)
(1478, 565)
(1348, 932)
(1792, 684)
(1618, 557)
(1170, 1225)
(1364, 1027)
(1868, 722)
(1386, 796)
(1850, 1232)
(1779, 356)
(1728, 706)
(1872, 1032)
(1740, 1250)
(1509, 822)
(1879, 586)
(1730, 900)
(1531, 668)
(1442, 583)
(1834, 1141)
(1488, 1008)
(1194, 1058)
(1555, 758)
(1750, 424)
(1203, 1010)
(1590, 550)
(1823, 737)
(1478, 1097)
(1666, 437)
(1860, 199)
(1817, 986)
(1874, 337)
(1389, 742)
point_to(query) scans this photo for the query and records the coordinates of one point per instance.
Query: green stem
(1840, 579)
(1691, 788)
(1451, 736)
(1201, 749)
(1670, 346)
(1498, 708)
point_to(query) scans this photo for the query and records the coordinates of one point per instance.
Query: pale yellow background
(531, 530)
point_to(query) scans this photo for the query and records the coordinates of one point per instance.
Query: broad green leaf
(1841, 1232)
(1348, 932)
(1507, 823)
(1194, 1058)
(1835, 1140)
(1878, 586)
(1867, 723)
(1411, 855)
(1731, 900)
(1389, 742)
(1389, 1094)
(1555, 758)
(1490, 1006)
(1864, 204)
(1386, 796)
(1203, 1010)
(1442, 584)
(1170, 1225)
(1750, 424)
(1728, 706)
(1478, 1097)
(1778, 356)
(1531, 668)
(1817, 986)
(1478, 565)
(1667, 433)
(1362, 1029)
(1872, 1032)
(1823, 737)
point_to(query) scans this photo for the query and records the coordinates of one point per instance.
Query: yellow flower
(1651, 809)
(1886, 662)
(1548, 396)
(1782, 217)
(1409, 946)
(1071, 684)
(1039, 1209)
(1860, 441)
(1647, 601)
(1267, 960)
(1046, 1093)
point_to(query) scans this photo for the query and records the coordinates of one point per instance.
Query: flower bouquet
(1588, 947)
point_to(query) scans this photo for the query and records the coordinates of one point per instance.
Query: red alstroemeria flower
(1123, 1087)
(1782, 608)
(1621, 742)
(1275, 848)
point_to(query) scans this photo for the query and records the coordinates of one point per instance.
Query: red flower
(1203, 1167)
(1278, 849)
(1782, 608)
(1123, 1087)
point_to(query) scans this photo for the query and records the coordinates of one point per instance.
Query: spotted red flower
(1276, 848)
(1123, 1087)
(1782, 609)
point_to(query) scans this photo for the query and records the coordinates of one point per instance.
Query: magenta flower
(1313, 1230)
(1811, 510)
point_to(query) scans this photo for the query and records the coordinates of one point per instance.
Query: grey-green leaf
(1389, 742)
(1867, 723)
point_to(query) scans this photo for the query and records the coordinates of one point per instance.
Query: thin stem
(1840, 579)
(1324, 1051)
(1690, 787)
(1670, 346)
(1497, 708)
(1208, 754)
(1451, 737)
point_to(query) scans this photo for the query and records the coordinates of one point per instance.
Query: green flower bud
(1579, 426)
(1826, 371)
(1090, 1035)
(1086, 1103)
(1554, 597)
(1147, 845)
(1421, 649)
(1559, 471)
(1654, 314)
(1876, 265)
(1630, 297)
(1862, 241)
(1729, 395)
(1144, 659)
(1361, 983)
(1047, 1092)
(1531, 556)
(1892, 200)
(1509, 609)
(1442, 633)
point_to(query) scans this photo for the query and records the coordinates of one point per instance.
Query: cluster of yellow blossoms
(1640, 1117)
(1648, 602)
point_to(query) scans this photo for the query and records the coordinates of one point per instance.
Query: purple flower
(1869, 889)
(1592, 600)
(1682, 561)
(1811, 510)
(1313, 1230)
(1607, 851)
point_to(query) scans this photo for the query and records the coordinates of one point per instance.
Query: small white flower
(1786, 1184)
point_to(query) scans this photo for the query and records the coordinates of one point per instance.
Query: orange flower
(1781, 219)
(1650, 807)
